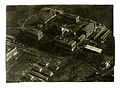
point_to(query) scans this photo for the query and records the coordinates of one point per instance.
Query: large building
(74, 28)
(30, 32)
(33, 26)
(88, 29)
(46, 15)
(100, 31)
(71, 18)
(55, 10)
(65, 43)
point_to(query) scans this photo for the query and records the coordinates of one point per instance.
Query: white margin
(115, 84)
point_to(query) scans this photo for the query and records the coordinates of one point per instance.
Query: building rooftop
(73, 27)
(70, 15)
(65, 41)
(88, 27)
(92, 48)
(46, 15)
(41, 18)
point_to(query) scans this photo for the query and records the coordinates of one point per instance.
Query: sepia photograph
(59, 43)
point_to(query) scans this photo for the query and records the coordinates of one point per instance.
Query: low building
(62, 29)
(103, 37)
(59, 26)
(33, 26)
(75, 28)
(88, 29)
(56, 10)
(92, 48)
(32, 32)
(39, 75)
(47, 72)
(54, 28)
(100, 31)
(46, 15)
(81, 38)
(65, 43)
(71, 18)
(11, 51)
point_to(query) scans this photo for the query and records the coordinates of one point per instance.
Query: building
(88, 29)
(11, 52)
(71, 18)
(74, 28)
(81, 38)
(100, 31)
(63, 29)
(54, 29)
(94, 49)
(32, 32)
(39, 75)
(57, 11)
(47, 72)
(61, 24)
(65, 43)
(33, 26)
(46, 15)
(103, 37)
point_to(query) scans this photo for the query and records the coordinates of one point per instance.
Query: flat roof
(92, 48)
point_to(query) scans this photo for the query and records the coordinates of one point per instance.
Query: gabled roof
(46, 15)
(42, 17)
(70, 15)
(88, 27)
